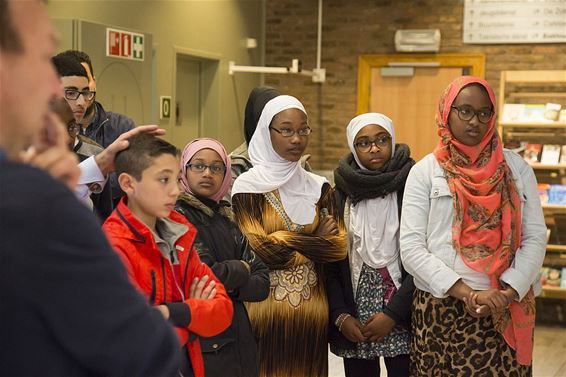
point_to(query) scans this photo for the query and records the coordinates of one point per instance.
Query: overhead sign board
(514, 21)
(124, 44)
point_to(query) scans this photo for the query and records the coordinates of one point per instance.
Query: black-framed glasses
(287, 132)
(214, 168)
(73, 94)
(365, 145)
(466, 113)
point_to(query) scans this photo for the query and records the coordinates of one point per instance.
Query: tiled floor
(549, 359)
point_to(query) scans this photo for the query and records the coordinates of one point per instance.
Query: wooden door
(411, 103)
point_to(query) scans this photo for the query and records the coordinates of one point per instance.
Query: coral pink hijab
(199, 144)
(486, 231)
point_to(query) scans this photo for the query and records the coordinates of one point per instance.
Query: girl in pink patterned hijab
(221, 245)
(189, 152)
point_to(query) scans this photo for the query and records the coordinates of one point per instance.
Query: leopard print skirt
(447, 342)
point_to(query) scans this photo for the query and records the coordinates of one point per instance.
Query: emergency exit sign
(124, 44)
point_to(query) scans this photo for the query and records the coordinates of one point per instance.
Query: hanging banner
(514, 21)
(124, 44)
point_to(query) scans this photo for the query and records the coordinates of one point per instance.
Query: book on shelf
(557, 194)
(516, 146)
(532, 151)
(563, 155)
(563, 278)
(552, 111)
(512, 112)
(531, 113)
(543, 192)
(550, 276)
(547, 235)
(550, 154)
(558, 236)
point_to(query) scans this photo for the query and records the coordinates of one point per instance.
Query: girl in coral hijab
(473, 237)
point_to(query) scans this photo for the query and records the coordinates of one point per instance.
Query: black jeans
(397, 366)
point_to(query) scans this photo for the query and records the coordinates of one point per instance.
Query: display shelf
(522, 87)
(533, 125)
(556, 248)
(553, 292)
(554, 207)
(539, 166)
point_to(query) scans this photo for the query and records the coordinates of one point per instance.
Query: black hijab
(257, 100)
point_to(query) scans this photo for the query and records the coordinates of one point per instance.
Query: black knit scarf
(361, 184)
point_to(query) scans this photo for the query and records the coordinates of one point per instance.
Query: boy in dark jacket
(157, 247)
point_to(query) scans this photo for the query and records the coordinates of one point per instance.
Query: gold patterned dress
(291, 324)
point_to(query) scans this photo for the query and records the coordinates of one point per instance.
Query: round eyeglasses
(287, 132)
(365, 145)
(200, 168)
(73, 94)
(466, 113)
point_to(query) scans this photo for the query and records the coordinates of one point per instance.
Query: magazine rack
(539, 87)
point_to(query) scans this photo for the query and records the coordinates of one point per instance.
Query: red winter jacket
(153, 275)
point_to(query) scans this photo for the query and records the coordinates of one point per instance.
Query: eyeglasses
(287, 132)
(73, 94)
(466, 113)
(200, 168)
(365, 145)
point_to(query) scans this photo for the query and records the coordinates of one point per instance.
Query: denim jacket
(426, 231)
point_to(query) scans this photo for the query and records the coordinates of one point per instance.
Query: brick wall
(354, 27)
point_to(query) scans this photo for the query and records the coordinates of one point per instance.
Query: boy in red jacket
(157, 247)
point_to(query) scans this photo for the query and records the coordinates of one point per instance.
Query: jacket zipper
(164, 280)
(153, 288)
(187, 264)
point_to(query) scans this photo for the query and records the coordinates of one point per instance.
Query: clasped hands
(486, 302)
(376, 328)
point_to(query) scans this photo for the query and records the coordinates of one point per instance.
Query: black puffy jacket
(223, 247)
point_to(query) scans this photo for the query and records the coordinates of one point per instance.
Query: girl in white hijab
(289, 218)
(369, 292)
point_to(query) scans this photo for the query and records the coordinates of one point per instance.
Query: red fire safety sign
(124, 44)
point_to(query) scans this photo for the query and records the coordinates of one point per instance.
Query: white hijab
(299, 190)
(374, 223)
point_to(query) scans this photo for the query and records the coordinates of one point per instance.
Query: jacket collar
(100, 117)
(138, 231)
(192, 201)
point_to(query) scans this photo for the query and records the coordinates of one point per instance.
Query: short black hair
(81, 57)
(68, 66)
(140, 153)
(9, 39)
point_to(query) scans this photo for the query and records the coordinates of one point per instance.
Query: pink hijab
(205, 143)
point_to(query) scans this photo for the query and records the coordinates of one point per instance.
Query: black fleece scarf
(361, 184)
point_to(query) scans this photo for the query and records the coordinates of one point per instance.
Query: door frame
(476, 63)
(209, 105)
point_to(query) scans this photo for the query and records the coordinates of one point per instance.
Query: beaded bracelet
(339, 319)
(342, 318)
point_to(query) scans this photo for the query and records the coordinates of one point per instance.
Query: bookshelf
(539, 125)
(534, 89)
(553, 292)
(539, 166)
(554, 207)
